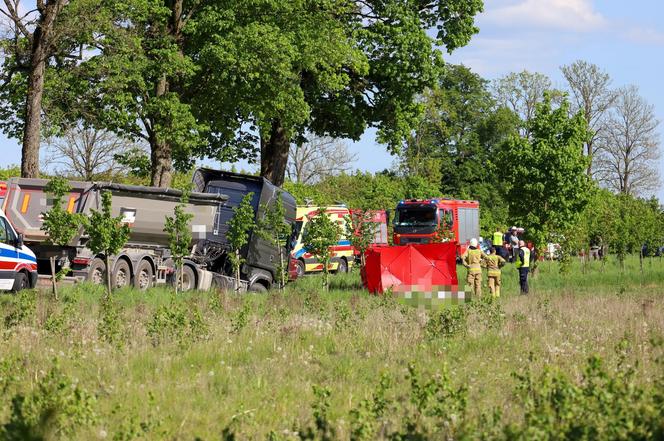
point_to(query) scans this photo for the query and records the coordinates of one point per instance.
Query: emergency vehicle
(342, 255)
(18, 264)
(419, 220)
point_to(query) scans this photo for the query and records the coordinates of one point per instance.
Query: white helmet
(473, 242)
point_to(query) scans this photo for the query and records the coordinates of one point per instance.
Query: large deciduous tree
(591, 89)
(318, 158)
(42, 34)
(630, 145)
(550, 187)
(271, 71)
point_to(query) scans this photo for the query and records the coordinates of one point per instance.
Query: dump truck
(417, 221)
(145, 260)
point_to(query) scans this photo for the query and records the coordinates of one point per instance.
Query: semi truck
(145, 260)
(419, 220)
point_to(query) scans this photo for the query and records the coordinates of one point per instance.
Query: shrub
(22, 309)
(447, 322)
(56, 407)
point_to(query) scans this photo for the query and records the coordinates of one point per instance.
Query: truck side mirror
(19, 240)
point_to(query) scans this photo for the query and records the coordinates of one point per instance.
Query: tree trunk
(161, 157)
(53, 278)
(33, 107)
(237, 271)
(108, 275)
(274, 154)
(589, 170)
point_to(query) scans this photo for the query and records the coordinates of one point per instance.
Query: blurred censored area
(430, 298)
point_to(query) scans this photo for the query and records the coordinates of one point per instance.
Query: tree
(239, 228)
(321, 233)
(133, 83)
(87, 154)
(325, 68)
(457, 139)
(521, 92)
(107, 234)
(630, 146)
(59, 224)
(550, 187)
(318, 158)
(591, 89)
(273, 228)
(53, 31)
(178, 229)
(361, 231)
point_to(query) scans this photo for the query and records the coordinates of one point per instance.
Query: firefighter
(472, 259)
(498, 238)
(523, 264)
(493, 264)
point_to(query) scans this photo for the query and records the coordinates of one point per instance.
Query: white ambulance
(18, 264)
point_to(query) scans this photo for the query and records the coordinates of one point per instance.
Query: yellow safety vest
(526, 259)
(497, 239)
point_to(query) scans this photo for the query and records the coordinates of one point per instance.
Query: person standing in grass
(523, 264)
(493, 264)
(472, 260)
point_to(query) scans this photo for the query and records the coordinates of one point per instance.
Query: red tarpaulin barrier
(412, 267)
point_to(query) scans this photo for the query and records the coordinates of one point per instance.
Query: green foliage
(11, 171)
(321, 233)
(110, 326)
(56, 407)
(175, 322)
(239, 229)
(59, 224)
(447, 322)
(21, 309)
(107, 233)
(273, 228)
(550, 187)
(136, 161)
(361, 231)
(323, 428)
(178, 229)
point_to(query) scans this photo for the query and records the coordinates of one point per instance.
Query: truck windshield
(416, 215)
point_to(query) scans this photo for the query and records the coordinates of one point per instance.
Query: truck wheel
(257, 287)
(188, 278)
(343, 266)
(121, 274)
(97, 271)
(300, 268)
(21, 282)
(143, 277)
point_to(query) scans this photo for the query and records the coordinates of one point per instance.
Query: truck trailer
(146, 260)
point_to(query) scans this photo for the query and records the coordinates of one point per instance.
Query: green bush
(447, 322)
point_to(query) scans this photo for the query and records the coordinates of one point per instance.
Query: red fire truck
(418, 220)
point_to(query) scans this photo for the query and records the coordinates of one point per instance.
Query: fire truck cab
(419, 220)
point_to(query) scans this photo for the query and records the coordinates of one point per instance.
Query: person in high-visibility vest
(472, 259)
(497, 239)
(523, 264)
(493, 264)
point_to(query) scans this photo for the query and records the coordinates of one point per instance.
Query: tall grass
(307, 363)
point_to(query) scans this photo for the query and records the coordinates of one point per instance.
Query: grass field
(581, 357)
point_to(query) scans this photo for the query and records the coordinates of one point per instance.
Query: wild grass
(306, 364)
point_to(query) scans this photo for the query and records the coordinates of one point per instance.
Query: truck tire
(20, 282)
(97, 271)
(143, 276)
(257, 287)
(188, 278)
(121, 274)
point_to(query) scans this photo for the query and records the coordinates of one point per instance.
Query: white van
(18, 264)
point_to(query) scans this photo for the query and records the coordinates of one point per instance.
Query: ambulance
(18, 264)
(342, 254)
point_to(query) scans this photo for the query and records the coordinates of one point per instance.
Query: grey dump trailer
(261, 258)
(145, 260)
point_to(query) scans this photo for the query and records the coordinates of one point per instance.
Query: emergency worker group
(505, 247)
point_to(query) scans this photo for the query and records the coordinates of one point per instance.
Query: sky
(625, 38)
